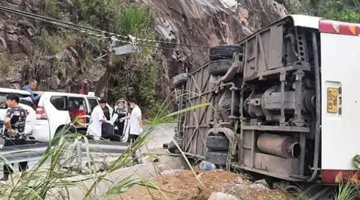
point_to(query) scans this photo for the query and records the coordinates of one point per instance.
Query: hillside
(64, 60)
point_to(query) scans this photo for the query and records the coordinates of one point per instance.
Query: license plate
(332, 100)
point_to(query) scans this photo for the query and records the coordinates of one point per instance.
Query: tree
(341, 10)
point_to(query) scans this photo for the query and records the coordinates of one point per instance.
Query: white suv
(56, 109)
(24, 99)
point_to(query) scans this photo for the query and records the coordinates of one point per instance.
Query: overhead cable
(82, 28)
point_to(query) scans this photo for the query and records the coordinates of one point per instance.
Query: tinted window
(59, 102)
(76, 103)
(92, 103)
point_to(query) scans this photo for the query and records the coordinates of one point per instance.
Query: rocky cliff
(25, 53)
(206, 23)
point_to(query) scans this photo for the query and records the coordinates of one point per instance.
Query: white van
(31, 116)
(57, 109)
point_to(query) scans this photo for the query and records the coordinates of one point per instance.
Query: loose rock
(172, 171)
(222, 196)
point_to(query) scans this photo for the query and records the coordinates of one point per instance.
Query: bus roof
(305, 21)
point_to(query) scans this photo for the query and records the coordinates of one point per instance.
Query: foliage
(7, 63)
(137, 75)
(136, 21)
(138, 82)
(347, 191)
(342, 10)
(50, 8)
(127, 76)
(101, 14)
(49, 42)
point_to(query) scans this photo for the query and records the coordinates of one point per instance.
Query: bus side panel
(340, 79)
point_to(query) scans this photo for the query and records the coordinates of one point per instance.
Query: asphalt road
(162, 134)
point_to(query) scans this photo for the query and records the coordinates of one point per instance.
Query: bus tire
(224, 52)
(217, 143)
(219, 67)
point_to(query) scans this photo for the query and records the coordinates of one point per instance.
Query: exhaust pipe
(282, 146)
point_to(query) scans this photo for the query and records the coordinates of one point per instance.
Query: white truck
(283, 100)
(58, 109)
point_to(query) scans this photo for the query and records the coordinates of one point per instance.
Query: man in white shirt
(97, 118)
(135, 121)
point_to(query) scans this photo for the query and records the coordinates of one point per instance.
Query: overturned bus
(283, 102)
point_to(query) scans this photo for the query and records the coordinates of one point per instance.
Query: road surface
(162, 134)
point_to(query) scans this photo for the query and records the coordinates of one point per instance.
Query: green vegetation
(342, 10)
(127, 76)
(347, 192)
(49, 42)
(7, 63)
(50, 8)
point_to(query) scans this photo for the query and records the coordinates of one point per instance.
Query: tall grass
(49, 180)
(348, 191)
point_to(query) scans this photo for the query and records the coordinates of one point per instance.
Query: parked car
(56, 109)
(25, 102)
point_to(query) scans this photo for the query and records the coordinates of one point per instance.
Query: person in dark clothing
(14, 124)
(30, 88)
(121, 112)
(106, 112)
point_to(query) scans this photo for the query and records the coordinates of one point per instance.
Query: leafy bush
(342, 10)
(130, 76)
(127, 76)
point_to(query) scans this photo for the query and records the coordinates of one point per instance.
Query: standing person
(14, 129)
(120, 114)
(135, 121)
(120, 109)
(98, 118)
(30, 88)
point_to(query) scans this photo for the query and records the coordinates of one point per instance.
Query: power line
(73, 26)
(178, 50)
(86, 30)
(52, 21)
(171, 49)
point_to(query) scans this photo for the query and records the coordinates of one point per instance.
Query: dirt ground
(184, 186)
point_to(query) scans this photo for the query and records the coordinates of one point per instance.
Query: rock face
(56, 69)
(208, 23)
(201, 23)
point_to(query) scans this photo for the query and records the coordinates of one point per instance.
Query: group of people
(15, 119)
(98, 118)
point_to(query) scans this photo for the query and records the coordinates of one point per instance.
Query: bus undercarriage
(265, 108)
